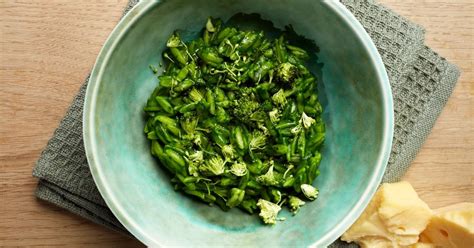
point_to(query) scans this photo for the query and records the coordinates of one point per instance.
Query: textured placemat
(421, 81)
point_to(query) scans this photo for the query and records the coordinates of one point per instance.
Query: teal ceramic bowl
(358, 114)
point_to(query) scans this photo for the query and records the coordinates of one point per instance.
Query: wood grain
(48, 48)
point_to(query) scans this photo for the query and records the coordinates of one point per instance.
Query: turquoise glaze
(358, 113)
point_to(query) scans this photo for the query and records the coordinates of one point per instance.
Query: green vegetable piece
(289, 182)
(247, 41)
(239, 169)
(213, 167)
(156, 149)
(257, 141)
(236, 197)
(164, 104)
(209, 26)
(174, 41)
(268, 211)
(286, 73)
(210, 56)
(175, 157)
(268, 178)
(249, 205)
(167, 81)
(221, 115)
(188, 107)
(196, 95)
(298, 52)
(310, 192)
(228, 152)
(280, 50)
(275, 195)
(295, 203)
(182, 74)
(279, 98)
(211, 102)
(179, 56)
(152, 135)
(240, 138)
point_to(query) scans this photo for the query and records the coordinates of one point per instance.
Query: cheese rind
(394, 218)
(451, 226)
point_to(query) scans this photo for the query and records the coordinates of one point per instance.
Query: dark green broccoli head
(286, 72)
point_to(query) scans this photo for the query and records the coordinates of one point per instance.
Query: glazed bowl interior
(357, 105)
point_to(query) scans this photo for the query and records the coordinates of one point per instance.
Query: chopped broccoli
(279, 98)
(268, 211)
(309, 191)
(257, 141)
(214, 166)
(295, 203)
(228, 151)
(286, 72)
(236, 118)
(268, 178)
(274, 115)
(245, 108)
(174, 41)
(307, 121)
(239, 169)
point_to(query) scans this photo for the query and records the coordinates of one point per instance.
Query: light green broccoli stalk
(295, 203)
(309, 191)
(236, 197)
(268, 211)
(239, 169)
(214, 166)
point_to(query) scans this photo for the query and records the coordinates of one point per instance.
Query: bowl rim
(90, 107)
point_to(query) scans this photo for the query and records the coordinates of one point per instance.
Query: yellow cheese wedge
(451, 226)
(423, 245)
(394, 218)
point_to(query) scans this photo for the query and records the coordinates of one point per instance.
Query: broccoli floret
(279, 98)
(214, 166)
(268, 211)
(245, 108)
(228, 151)
(239, 169)
(309, 191)
(268, 178)
(257, 141)
(174, 41)
(295, 203)
(274, 115)
(286, 72)
(306, 120)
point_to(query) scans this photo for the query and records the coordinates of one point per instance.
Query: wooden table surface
(48, 48)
